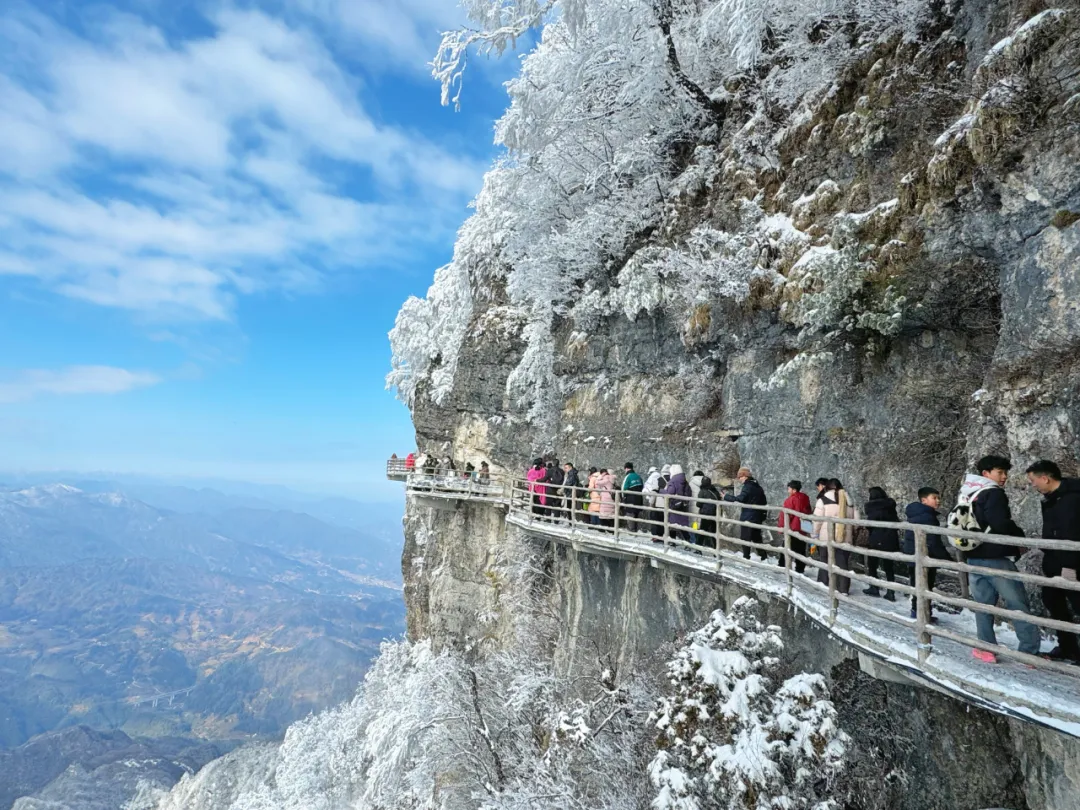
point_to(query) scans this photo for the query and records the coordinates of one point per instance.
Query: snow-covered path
(876, 628)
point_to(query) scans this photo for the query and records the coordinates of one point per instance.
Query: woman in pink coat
(536, 474)
(605, 487)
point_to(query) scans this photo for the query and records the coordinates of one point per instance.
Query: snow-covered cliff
(813, 237)
(858, 257)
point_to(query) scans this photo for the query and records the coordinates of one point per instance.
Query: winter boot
(872, 591)
(890, 596)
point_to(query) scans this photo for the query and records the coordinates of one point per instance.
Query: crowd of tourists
(432, 465)
(665, 503)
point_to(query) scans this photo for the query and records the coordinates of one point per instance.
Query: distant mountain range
(202, 617)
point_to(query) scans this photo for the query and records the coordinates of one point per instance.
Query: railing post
(922, 600)
(787, 549)
(830, 554)
(667, 531)
(618, 509)
(965, 583)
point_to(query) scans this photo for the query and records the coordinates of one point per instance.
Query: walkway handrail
(628, 516)
(435, 479)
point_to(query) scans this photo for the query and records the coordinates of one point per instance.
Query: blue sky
(210, 213)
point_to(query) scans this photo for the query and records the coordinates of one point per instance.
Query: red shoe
(984, 656)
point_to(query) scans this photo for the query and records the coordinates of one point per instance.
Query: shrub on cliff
(730, 737)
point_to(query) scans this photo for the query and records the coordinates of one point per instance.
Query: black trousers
(798, 547)
(748, 535)
(931, 579)
(1058, 602)
(872, 568)
(843, 561)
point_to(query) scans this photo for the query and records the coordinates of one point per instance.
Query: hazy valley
(161, 635)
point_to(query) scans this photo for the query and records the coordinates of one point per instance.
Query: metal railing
(624, 518)
(437, 479)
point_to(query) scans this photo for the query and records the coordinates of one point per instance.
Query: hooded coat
(594, 494)
(1061, 521)
(535, 475)
(679, 488)
(884, 510)
(652, 486)
(605, 488)
(990, 505)
(695, 490)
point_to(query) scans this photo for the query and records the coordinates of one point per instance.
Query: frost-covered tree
(731, 737)
(625, 116)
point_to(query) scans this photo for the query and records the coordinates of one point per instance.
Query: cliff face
(912, 228)
(913, 749)
(911, 238)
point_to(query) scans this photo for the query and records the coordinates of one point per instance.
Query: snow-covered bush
(730, 737)
(427, 335)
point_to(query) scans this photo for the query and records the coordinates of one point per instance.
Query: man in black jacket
(1061, 521)
(990, 506)
(924, 512)
(570, 482)
(556, 478)
(750, 495)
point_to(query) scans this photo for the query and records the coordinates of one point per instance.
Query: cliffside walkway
(935, 653)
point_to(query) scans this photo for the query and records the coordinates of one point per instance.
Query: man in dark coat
(880, 507)
(570, 482)
(925, 513)
(750, 495)
(555, 477)
(707, 498)
(1061, 521)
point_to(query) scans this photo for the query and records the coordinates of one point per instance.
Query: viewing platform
(890, 643)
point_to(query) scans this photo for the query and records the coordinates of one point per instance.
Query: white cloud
(403, 33)
(168, 176)
(32, 383)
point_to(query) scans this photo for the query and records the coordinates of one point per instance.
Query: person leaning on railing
(1061, 521)
(989, 506)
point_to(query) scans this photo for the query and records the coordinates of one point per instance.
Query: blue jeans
(986, 589)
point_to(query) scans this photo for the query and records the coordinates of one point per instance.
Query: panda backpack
(962, 517)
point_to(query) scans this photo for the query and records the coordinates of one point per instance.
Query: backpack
(963, 517)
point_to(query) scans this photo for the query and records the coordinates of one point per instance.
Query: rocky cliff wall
(918, 217)
(914, 749)
(878, 282)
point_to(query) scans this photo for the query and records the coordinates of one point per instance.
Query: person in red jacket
(796, 501)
